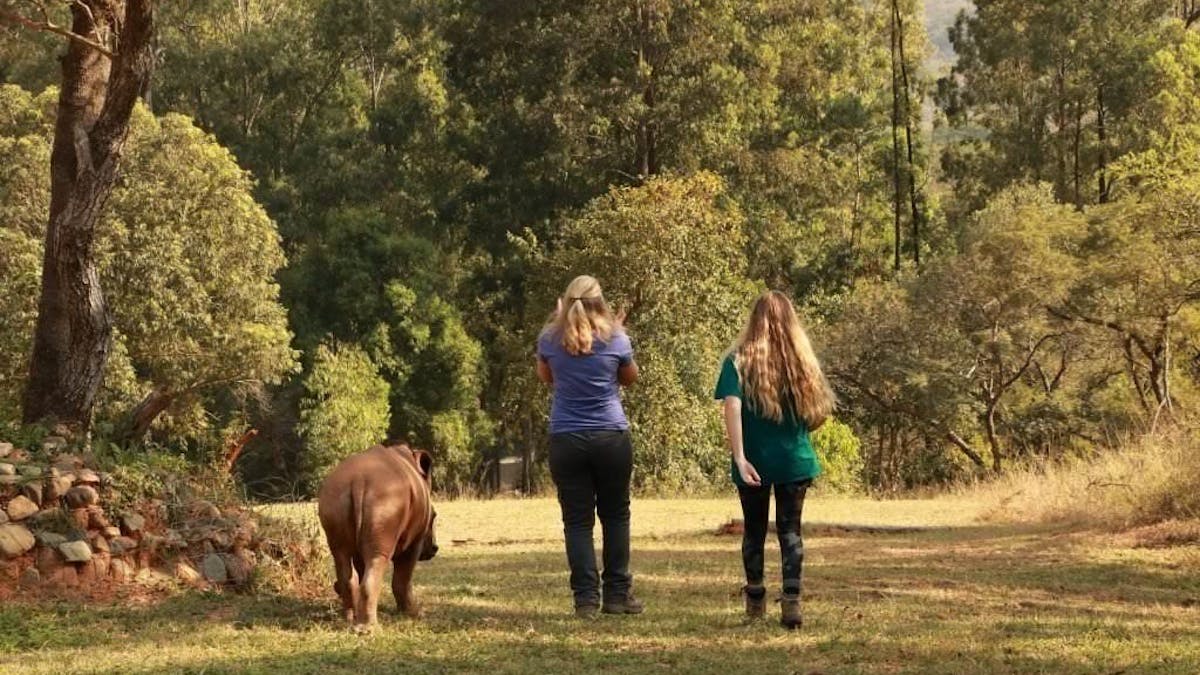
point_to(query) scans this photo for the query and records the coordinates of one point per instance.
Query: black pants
(789, 505)
(592, 470)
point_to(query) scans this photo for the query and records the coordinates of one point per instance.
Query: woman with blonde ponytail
(585, 355)
(774, 394)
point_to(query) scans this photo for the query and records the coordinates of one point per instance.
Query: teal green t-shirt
(780, 452)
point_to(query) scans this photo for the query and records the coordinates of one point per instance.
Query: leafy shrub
(841, 458)
(344, 409)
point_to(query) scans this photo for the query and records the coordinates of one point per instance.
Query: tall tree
(1054, 85)
(107, 65)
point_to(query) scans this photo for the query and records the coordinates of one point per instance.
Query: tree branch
(47, 27)
(1028, 360)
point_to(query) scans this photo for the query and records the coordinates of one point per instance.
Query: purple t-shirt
(586, 392)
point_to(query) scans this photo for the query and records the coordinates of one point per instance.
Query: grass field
(964, 597)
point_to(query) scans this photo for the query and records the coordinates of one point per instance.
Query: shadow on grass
(981, 599)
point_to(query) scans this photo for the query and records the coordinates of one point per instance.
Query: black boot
(626, 604)
(790, 616)
(756, 601)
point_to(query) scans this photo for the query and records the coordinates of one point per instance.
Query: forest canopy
(340, 220)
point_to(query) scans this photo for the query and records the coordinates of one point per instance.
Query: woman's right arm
(543, 371)
(733, 428)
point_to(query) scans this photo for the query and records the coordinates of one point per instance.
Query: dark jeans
(592, 470)
(789, 505)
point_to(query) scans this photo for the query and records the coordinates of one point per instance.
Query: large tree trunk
(72, 336)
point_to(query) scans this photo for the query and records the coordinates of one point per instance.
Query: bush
(841, 458)
(344, 409)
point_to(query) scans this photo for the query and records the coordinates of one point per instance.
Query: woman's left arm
(628, 373)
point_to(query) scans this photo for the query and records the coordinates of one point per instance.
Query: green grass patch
(969, 597)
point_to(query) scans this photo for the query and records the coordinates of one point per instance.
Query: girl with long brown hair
(774, 394)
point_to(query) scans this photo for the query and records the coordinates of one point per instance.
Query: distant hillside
(939, 16)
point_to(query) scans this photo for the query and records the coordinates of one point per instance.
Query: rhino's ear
(424, 461)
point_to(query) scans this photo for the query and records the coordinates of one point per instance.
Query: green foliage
(344, 409)
(671, 253)
(438, 170)
(1057, 87)
(840, 452)
(187, 260)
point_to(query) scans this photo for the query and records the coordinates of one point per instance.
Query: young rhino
(375, 507)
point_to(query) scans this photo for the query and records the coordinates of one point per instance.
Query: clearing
(962, 597)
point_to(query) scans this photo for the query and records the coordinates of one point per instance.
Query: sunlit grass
(964, 598)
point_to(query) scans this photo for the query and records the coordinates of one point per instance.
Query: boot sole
(622, 610)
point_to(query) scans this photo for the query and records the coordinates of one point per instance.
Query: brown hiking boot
(790, 616)
(587, 612)
(626, 604)
(756, 601)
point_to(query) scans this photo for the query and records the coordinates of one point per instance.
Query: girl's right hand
(749, 474)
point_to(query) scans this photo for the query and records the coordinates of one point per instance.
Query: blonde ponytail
(584, 317)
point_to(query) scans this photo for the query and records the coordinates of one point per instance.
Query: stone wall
(55, 528)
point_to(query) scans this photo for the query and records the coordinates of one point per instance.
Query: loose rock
(7, 469)
(33, 491)
(70, 461)
(87, 477)
(48, 561)
(75, 551)
(15, 540)
(214, 569)
(132, 523)
(65, 576)
(81, 496)
(3, 516)
(96, 519)
(79, 518)
(51, 539)
(29, 470)
(119, 570)
(111, 532)
(122, 545)
(54, 487)
(87, 571)
(186, 573)
(100, 545)
(204, 509)
(103, 563)
(20, 508)
(54, 443)
(238, 570)
(6, 449)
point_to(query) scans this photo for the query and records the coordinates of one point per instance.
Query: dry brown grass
(1150, 480)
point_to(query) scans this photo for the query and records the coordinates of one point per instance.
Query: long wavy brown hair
(583, 316)
(778, 368)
